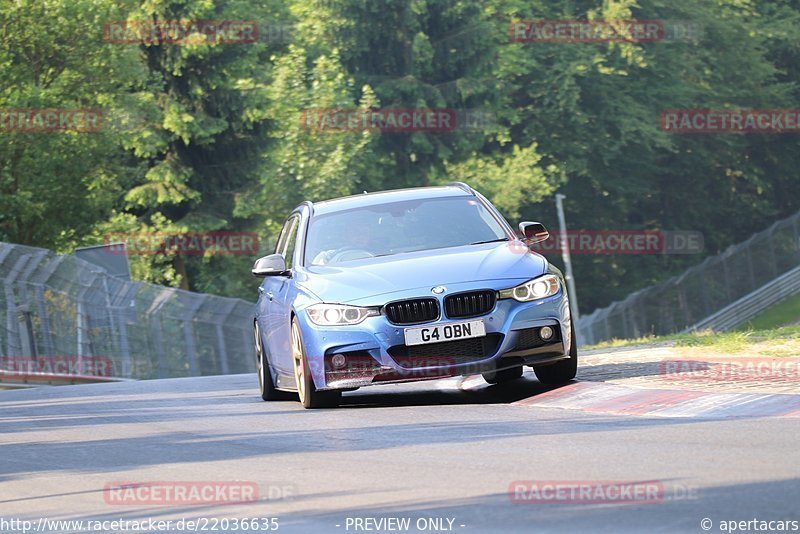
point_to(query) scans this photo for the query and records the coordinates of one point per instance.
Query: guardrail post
(27, 342)
(223, 354)
(161, 358)
(188, 332)
(13, 342)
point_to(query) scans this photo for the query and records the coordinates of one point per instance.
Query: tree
(55, 185)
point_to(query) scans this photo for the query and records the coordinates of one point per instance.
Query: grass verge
(774, 342)
(786, 312)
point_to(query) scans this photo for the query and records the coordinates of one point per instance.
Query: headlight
(538, 288)
(338, 314)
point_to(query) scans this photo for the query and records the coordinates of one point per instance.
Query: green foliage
(750, 343)
(786, 312)
(512, 181)
(303, 162)
(54, 186)
(210, 136)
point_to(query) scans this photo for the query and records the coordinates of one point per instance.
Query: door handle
(270, 295)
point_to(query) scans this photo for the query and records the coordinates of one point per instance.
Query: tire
(503, 376)
(563, 371)
(306, 391)
(265, 384)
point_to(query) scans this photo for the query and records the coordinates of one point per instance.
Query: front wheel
(563, 371)
(265, 383)
(309, 396)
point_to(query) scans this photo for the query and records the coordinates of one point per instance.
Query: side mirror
(534, 232)
(272, 265)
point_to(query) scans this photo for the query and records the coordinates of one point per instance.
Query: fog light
(338, 360)
(546, 332)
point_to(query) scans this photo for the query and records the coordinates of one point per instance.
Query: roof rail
(462, 185)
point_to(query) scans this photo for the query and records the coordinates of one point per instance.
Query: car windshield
(398, 227)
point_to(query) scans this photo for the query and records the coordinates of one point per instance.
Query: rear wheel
(505, 375)
(267, 387)
(309, 396)
(563, 371)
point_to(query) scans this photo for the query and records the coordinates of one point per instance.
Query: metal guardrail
(702, 291)
(12, 378)
(59, 306)
(752, 304)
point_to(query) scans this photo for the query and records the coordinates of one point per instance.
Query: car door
(275, 294)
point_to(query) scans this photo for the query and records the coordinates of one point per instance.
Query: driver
(357, 241)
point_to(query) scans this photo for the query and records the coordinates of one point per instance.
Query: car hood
(357, 280)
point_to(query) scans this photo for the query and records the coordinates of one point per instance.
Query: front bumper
(375, 350)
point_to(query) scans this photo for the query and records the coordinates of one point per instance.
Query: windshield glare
(399, 227)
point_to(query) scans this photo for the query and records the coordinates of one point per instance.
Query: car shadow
(509, 392)
(665, 369)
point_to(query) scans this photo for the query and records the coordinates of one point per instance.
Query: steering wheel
(351, 254)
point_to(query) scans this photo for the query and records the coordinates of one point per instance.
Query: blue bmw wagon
(406, 285)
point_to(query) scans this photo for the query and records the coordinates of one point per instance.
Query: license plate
(444, 332)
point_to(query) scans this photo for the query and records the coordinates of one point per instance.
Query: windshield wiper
(489, 241)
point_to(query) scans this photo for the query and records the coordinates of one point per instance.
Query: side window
(287, 241)
(282, 236)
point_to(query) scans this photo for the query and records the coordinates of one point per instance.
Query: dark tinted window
(398, 227)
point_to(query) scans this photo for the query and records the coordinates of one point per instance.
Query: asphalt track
(447, 454)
